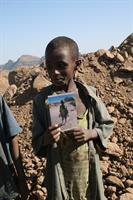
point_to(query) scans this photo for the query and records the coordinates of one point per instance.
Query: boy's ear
(77, 63)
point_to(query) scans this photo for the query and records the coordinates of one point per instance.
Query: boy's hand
(23, 189)
(83, 135)
(52, 135)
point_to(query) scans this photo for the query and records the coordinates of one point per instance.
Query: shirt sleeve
(38, 128)
(103, 123)
(10, 124)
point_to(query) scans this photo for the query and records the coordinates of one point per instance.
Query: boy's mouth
(59, 81)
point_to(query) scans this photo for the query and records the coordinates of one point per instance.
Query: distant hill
(24, 60)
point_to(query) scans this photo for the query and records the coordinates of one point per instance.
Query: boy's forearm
(22, 185)
(16, 156)
(93, 134)
(46, 139)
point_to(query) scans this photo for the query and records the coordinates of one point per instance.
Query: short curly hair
(63, 41)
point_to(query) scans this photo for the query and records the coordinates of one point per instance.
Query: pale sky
(26, 26)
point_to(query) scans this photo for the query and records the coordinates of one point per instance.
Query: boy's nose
(56, 71)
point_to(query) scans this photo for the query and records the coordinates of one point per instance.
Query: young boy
(63, 112)
(72, 171)
(11, 171)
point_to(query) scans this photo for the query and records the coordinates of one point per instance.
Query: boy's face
(60, 66)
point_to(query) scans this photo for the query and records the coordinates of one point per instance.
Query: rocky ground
(111, 72)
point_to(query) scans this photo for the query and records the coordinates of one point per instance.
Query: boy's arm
(15, 152)
(38, 129)
(11, 128)
(42, 134)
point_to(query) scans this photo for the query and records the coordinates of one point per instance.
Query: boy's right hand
(52, 135)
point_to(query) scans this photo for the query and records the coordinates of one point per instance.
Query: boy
(10, 162)
(63, 112)
(72, 171)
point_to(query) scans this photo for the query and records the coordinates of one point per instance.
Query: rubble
(111, 72)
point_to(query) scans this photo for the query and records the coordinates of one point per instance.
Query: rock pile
(111, 72)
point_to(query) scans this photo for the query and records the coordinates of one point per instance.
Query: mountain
(24, 60)
(7, 66)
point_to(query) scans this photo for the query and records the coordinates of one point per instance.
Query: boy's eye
(58, 66)
(61, 66)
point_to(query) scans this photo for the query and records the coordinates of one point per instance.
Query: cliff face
(111, 72)
(23, 61)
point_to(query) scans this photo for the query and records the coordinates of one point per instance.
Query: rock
(129, 190)
(129, 183)
(114, 149)
(127, 67)
(126, 196)
(100, 52)
(114, 140)
(114, 197)
(39, 194)
(4, 83)
(131, 110)
(122, 121)
(119, 57)
(117, 80)
(111, 189)
(111, 109)
(44, 190)
(124, 171)
(114, 181)
(40, 179)
(114, 120)
(40, 82)
(10, 92)
(108, 54)
(104, 166)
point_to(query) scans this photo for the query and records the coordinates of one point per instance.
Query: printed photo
(62, 110)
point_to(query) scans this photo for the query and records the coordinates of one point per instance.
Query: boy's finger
(54, 132)
(50, 128)
(72, 131)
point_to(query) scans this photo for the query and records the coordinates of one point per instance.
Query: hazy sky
(26, 26)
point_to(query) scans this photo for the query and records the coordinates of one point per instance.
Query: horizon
(28, 26)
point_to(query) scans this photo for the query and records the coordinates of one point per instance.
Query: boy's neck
(71, 87)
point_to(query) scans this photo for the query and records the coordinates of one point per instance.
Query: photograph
(62, 110)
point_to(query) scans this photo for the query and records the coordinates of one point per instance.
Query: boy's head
(62, 42)
(62, 56)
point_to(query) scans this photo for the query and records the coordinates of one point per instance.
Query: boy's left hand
(23, 188)
(83, 135)
(23, 191)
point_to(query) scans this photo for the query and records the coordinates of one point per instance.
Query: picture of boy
(63, 112)
(73, 169)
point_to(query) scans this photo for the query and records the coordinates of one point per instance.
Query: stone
(124, 171)
(104, 166)
(114, 181)
(119, 57)
(108, 54)
(126, 196)
(100, 52)
(117, 80)
(40, 82)
(114, 139)
(110, 109)
(122, 120)
(129, 183)
(111, 189)
(39, 194)
(129, 190)
(114, 149)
